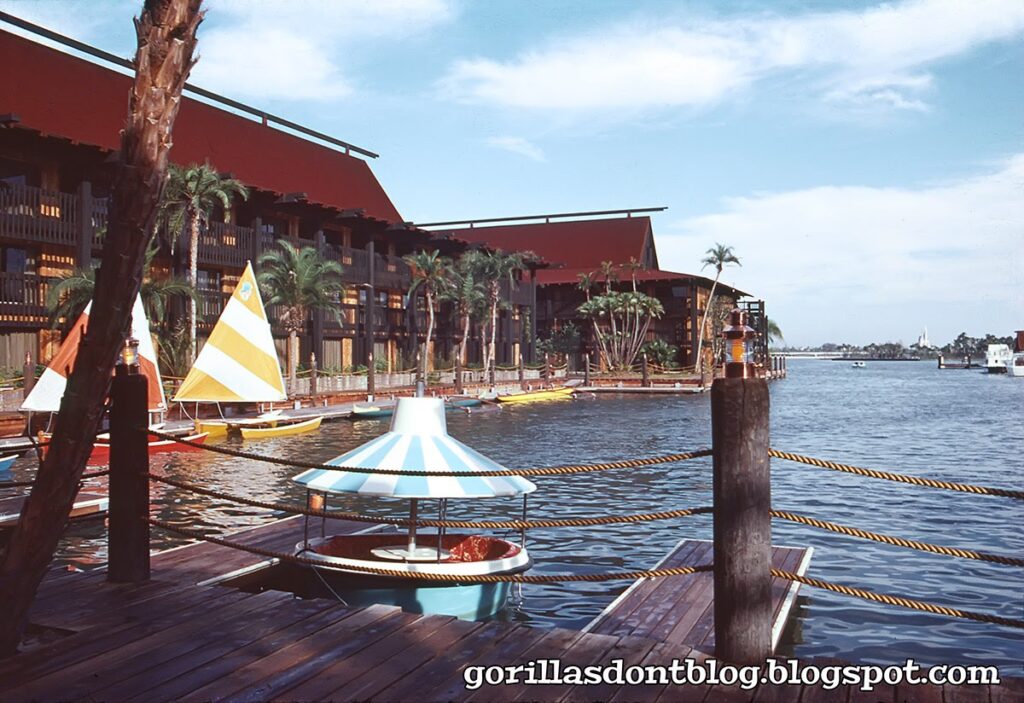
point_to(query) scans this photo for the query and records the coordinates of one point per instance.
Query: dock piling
(742, 523)
(645, 376)
(129, 479)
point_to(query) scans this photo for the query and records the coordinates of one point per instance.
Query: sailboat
(238, 364)
(48, 391)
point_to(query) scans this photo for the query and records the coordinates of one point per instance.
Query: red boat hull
(101, 450)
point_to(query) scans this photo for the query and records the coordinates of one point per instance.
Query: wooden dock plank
(631, 650)
(315, 654)
(680, 610)
(345, 671)
(370, 684)
(446, 666)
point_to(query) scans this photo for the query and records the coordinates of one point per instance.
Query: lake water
(906, 417)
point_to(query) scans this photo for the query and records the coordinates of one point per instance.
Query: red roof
(577, 244)
(65, 96)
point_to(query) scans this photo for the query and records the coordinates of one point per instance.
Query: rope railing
(482, 578)
(538, 471)
(884, 598)
(900, 478)
(897, 541)
(427, 522)
(900, 601)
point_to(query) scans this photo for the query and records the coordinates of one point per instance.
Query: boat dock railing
(741, 458)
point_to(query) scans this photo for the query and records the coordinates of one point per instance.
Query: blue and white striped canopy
(418, 441)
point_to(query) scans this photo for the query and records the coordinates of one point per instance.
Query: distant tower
(922, 341)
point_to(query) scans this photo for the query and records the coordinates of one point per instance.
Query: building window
(208, 280)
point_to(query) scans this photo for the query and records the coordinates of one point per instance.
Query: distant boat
(286, 430)
(858, 364)
(996, 358)
(361, 412)
(537, 396)
(1015, 366)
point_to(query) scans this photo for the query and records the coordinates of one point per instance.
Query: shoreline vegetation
(963, 345)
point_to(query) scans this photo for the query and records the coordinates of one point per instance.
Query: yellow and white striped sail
(239, 362)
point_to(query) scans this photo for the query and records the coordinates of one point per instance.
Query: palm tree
(492, 268)
(298, 280)
(430, 273)
(469, 295)
(774, 332)
(68, 297)
(718, 256)
(189, 197)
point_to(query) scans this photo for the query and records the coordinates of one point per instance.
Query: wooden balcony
(38, 215)
(23, 300)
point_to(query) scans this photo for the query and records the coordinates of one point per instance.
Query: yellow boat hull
(285, 430)
(212, 429)
(536, 396)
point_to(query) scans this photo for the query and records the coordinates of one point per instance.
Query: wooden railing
(23, 297)
(38, 215)
(224, 244)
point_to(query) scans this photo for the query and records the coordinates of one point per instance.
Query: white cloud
(518, 145)
(874, 56)
(265, 49)
(910, 256)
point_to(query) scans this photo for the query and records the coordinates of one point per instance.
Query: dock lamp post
(738, 339)
(741, 487)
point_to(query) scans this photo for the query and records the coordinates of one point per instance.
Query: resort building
(60, 118)
(578, 245)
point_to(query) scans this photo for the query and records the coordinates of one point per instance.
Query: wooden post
(28, 375)
(645, 378)
(85, 228)
(256, 246)
(370, 325)
(458, 373)
(742, 524)
(129, 482)
(312, 375)
(586, 369)
(522, 370)
(547, 367)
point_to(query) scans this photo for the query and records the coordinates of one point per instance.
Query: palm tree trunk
(427, 363)
(703, 323)
(493, 348)
(465, 338)
(193, 279)
(293, 357)
(166, 40)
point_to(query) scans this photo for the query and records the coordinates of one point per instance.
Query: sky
(865, 161)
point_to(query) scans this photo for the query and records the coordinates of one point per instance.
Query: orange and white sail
(49, 389)
(238, 363)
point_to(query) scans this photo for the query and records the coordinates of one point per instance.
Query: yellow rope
(483, 578)
(901, 478)
(539, 471)
(897, 600)
(459, 524)
(897, 541)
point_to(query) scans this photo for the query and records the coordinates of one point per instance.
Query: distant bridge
(808, 354)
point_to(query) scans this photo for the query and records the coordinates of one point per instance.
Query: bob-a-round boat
(417, 441)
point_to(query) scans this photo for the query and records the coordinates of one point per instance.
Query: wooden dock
(87, 505)
(181, 637)
(680, 610)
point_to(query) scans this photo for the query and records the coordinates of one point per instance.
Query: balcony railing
(23, 297)
(224, 244)
(38, 215)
